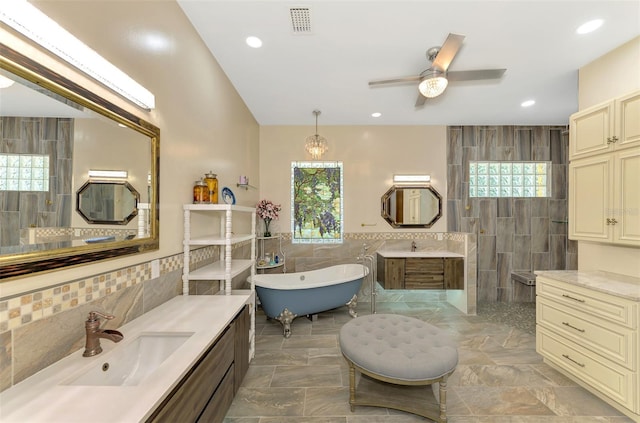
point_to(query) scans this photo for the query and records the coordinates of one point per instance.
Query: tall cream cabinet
(604, 173)
(606, 127)
(588, 327)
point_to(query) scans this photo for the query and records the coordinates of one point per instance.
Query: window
(24, 172)
(316, 202)
(509, 179)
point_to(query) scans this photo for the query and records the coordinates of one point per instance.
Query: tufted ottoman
(399, 350)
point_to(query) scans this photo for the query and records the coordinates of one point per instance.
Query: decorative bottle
(212, 183)
(200, 192)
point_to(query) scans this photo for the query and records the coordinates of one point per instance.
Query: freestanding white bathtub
(289, 295)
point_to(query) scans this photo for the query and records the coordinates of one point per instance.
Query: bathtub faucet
(413, 246)
(94, 333)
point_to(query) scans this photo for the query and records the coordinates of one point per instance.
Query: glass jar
(212, 183)
(200, 192)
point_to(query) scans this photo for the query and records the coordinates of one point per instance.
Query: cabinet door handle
(611, 140)
(573, 298)
(572, 360)
(611, 221)
(573, 327)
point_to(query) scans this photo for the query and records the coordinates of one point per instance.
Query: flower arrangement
(267, 211)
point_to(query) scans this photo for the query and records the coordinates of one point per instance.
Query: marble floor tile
(499, 378)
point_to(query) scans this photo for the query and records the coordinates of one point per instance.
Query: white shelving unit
(262, 252)
(225, 269)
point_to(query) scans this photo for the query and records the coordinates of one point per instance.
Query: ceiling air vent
(300, 20)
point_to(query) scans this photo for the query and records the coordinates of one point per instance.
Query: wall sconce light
(108, 174)
(410, 179)
(32, 23)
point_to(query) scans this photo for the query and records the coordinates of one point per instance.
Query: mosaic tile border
(35, 305)
(32, 306)
(384, 236)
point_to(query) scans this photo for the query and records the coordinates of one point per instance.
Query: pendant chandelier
(316, 144)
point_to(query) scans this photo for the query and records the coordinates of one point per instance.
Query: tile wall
(514, 234)
(52, 136)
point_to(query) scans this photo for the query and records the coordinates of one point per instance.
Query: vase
(267, 233)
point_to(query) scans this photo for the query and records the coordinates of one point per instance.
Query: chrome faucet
(94, 333)
(413, 246)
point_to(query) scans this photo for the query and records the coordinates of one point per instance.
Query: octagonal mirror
(418, 206)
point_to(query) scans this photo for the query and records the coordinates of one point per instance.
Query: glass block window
(509, 179)
(24, 172)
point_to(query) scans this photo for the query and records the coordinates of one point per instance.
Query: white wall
(204, 124)
(371, 155)
(612, 75)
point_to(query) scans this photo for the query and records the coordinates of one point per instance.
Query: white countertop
(609, 283)
(41, 397)
(418, 254)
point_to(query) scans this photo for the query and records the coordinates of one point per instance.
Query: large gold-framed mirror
(418, 206)
(39, 228)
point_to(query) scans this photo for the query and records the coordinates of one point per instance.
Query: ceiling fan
(434, 80)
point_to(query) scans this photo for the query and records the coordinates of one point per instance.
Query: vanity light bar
(411, 178)
(32, 23)
(110, 174)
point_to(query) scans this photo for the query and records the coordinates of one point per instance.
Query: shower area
(516, 235)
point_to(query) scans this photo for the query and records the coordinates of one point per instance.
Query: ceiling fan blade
(420, 100)
(472, 75)
(448, 51)
(395, 80)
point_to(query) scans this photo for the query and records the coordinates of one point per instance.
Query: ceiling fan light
(433, 87)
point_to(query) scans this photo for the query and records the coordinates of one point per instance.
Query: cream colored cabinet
(604, 198)
(592, 337)
(606, 127)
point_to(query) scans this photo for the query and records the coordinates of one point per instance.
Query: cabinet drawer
(607, 339)
(424, 265)
(423, 281)
(612, 380)
(604, 306)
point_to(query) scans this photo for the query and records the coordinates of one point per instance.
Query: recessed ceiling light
(528, 103)
(590, 26)
(376, 114)
(254, 42)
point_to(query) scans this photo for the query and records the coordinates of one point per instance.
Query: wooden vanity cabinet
(206, 392)
(421, 273)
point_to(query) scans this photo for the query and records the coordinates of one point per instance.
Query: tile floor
(500, 378)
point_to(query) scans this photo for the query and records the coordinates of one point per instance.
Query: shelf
(268, 237)
(246, 186)
(218, 240)
(217, 270)
(270, 266)
(219, 207)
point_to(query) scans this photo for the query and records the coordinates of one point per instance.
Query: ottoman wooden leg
(352, 386)
(443, 399)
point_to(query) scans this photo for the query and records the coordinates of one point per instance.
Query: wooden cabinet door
(453, 273)
(241, 347)
(590, 129)
(627, 117)
(590, 182)
(393, 273)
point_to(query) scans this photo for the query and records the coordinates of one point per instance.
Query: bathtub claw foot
(286, 317)
(352, 304)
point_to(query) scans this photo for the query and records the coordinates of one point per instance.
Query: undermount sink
(130, 364)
